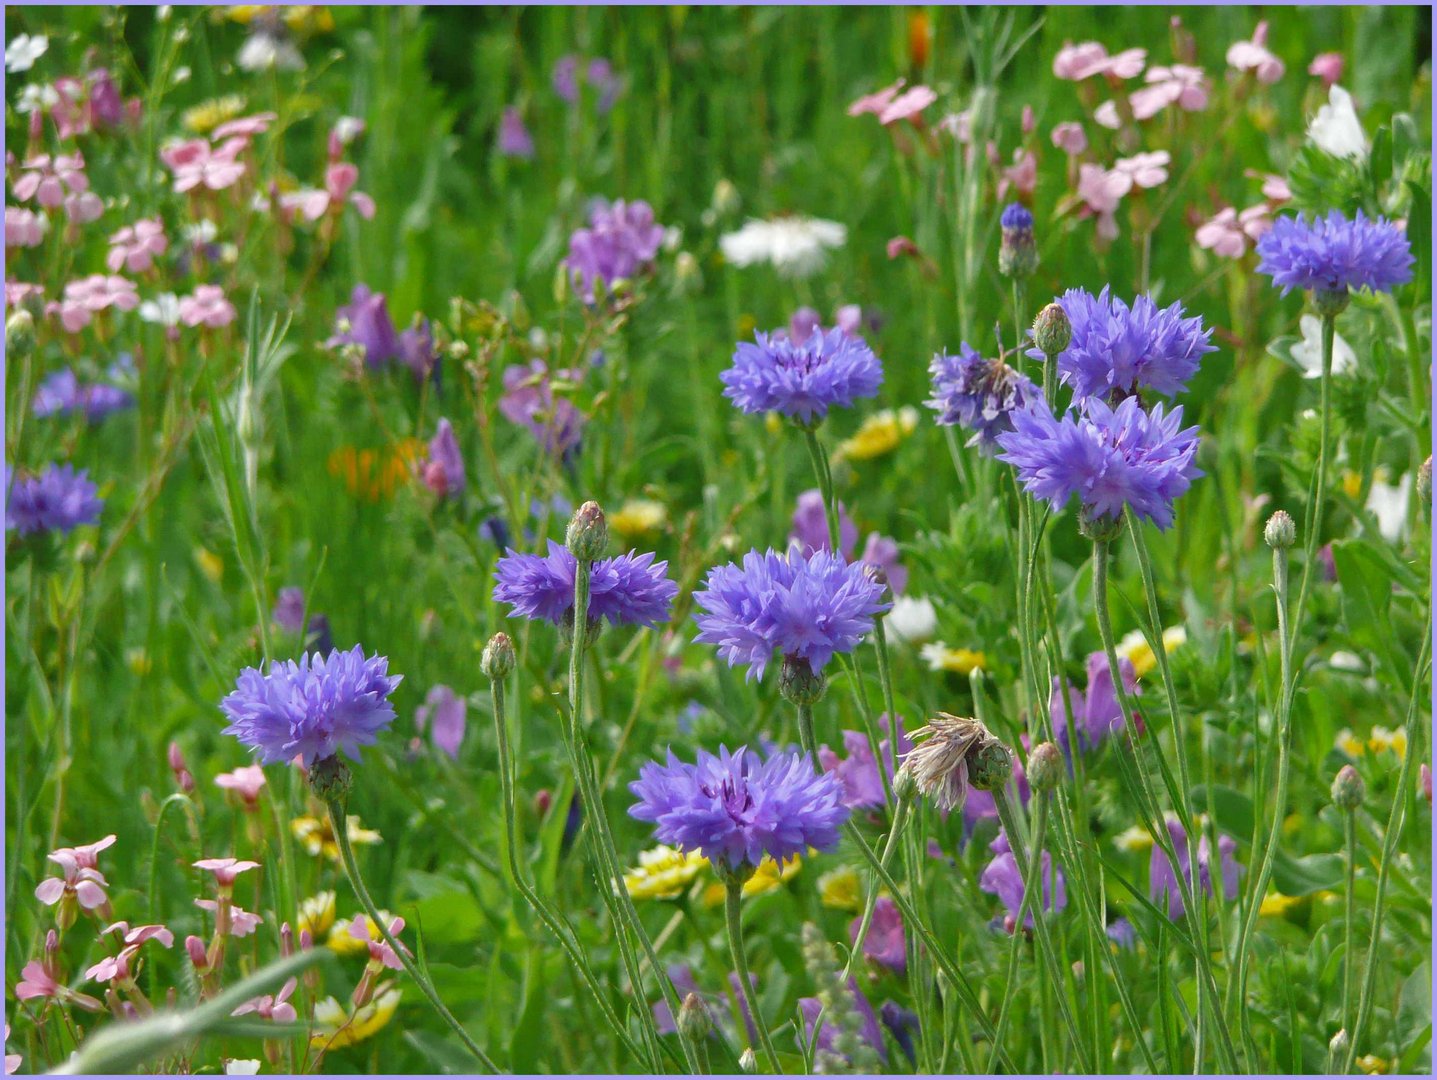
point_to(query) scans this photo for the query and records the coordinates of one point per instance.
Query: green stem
(1313, 533)
(1031, 878)
(885, 681)
(733, 898)
(900, 819)
(346, 853)
(1349, 912)
(805, 736)
(825, 487)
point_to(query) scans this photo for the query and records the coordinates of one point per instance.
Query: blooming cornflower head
(947, 752)
(1017, 253)
(797, 247)
(444, 471)
(735, 809)
(1333, 255)
(313, 708)
(1004, 878)
(1097, 711)
(1109, 458)
(1162, 881)
(620, 242)
(805, 607)
(979, 394)
(57, 500)
(1116, 349)
(626, 589)
(802, 380)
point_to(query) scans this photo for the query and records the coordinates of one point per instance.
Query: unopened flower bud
(198, 956)
(330, 779)
(1348, 790)
(748, 1061)
(1280, 531)
(694, 1020)
(1330, 302)
(905, 784)
(1103, 527)
(497, 661)
(1339, 1044)
(286, 940)
(543, 801)
(990, 767)
(588, 535)
(19, 334)
(306, 940)
(1045, 767)
(799, 683)
(1051, 330)
(1017, 253)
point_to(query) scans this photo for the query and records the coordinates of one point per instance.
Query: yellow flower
(879, 434)
(1135, 648)
(316, 913)
(1380, 738)
(1133, 840)
(773, 423)
(765, 879)
(372, 475)
(1351, 483)
(208, 115)
(138, 660)
(941, 658)
(336, 1028)
(663, 872)
(1372, 1065)
(1275, 904)
(317, 835)
(638, 518)
(345, 943)
(841, 889)
(301, 18)
(211, 565)
(1350, 744)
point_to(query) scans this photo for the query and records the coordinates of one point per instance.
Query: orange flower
(372, 475)
(920, 37)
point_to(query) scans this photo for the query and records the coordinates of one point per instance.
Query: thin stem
(1031, 878)
(1349, 912)
(825, 487)
(900, 819)
(885, 681)
(805, 736)
(733, 898)
(1313, 533)
(351, 868)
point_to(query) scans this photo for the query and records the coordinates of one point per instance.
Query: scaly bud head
(498, 659)
(1045, 767)
(799, 683)
(1051, 330)
(588, 536)
(1348, 790)
(1280, 532)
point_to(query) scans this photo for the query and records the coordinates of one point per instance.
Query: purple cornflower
(444, 471)
(365, 322)
(801, 380)
(1116, 349)
(529, 400)
(62, 394)
(810, 525)
(621, 240)
(1097, 711)
(1016, 216)
(803, 607)
(446, 709)
(884, 943)
(735, 809)
(858, 773)
(56, 500)
(313, 708)
(1109, 458)
(1017, 252)
(1333, 254)
(1162, 881)
(288, 611)
(514, 137)
(628, 588)
(566, 78)
(978, 394)
(1002, 878)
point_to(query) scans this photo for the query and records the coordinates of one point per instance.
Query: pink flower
(19, 293)
(959, 125)
(12, 1061)
(1255, 220)
(113, 968)
(379, 949)
(245, 127)
(907, 105)
(1101, 190)
(83, 207)
(80, 879)
(1327, 67)
(901, 245)
(1180, 84)
(87, 856)
(1424, 776)
(141, 934)
(246, 780)
(135, 246)
(1029, 120)
(36, 982)
(226, 870)
(1222, 235)
(1254, 56)
(242, 922)
(1070, 138)
(876, 102)
(100, 291)
(47, 179)
(1079, 62)
(197, 164)
(24, 228)
(1022, 175)
(313, 203)
(274, 1007)
(1274, 188)
(207, 306)
(446, 709)
(1147, 170)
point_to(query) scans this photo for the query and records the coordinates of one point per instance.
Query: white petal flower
(1336, 128)
(37, 97)
(1388, 503)
(795, 246)
(21, 54)
(913, 619)
(164, 309)
(1308, 351)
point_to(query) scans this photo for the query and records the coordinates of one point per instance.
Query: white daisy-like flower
(21, 54)
(1336, 128)
(163, 310)
(262, 51)
(242, 1067)
(794, 246)
(1308, 351)
(912, 619)
(1388, 504)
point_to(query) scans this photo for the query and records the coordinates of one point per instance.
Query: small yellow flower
(372, 475)
(336, 1028)
(1373, 1065)
(208, 115)
(638, 518)
(663, 873)
(316, 913)
(841, 889)
(879, 434)
(345, 943)
(1380, 738)
(765, 879)
(941, 658)
(210, 564)
(1351, 483)
(1133, 840)
(317, 835)
(308, 19)
(1275, 904)
(773, 423)
(138, 660)
(1350, 744)
(1135, 648)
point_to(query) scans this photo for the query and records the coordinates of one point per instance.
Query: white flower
(182, 75)
(1388, 503)
(199, 232)
(164, 309)
(1336, 128)
(242, 1067)
(261, 52)
(347, 129)
(37, 97)
(795, 246)
(1308, 351)
(21, 54)
(912, 619)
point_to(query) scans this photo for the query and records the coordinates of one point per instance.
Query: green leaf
(448, 1057)
(1307, 874)
(1419, 233)
(1414, 1007)
(1380, 158)
(1366, 600)
(1232, 808)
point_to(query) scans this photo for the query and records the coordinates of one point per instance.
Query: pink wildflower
(1327, 67)
(959, 125)
(1180, 84)
(83, 207)
(1255, 56)
(380, 951)
(135, 246)
(197, 164)
(226, 870)
(1079, 62)
(907, 105)
(876, 102)
(247, 781)
(245, 127)
(24, 228)
(339, 181)
(47, 179)
(1147, 170)
(1070, 138)
(81, 877)
(1022, 175)
(20, 293)
(1101, 190)
(207, 306)
(36, 981)
(242, 922)
(274, 1007)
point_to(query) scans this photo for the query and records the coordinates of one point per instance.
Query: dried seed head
(946, 752)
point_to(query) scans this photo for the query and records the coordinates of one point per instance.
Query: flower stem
(733, 898)
(340, 825)
(1030, 881)
(1312, 536)
(825, 487)
(1349, 913)
(900, 820)
(806, 737)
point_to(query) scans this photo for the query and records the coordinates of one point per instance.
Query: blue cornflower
(58, 499)
(805, 607)
(625, 589)
(312, 708)
(1016, 216)
(736, 809)
(978, 394)
(1017, 252)
(1109, 458)
(1117, 348)
(1333, 254)
(620, 241)
(802, 379)
(62, 394)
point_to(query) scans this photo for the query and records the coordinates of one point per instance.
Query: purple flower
(365, 322)
(805, 607)
(1109, 458)
(62, 394)
(529, 400)
(1003, 878)
(978, 394)
(514, 137)
(621, 240)
(802, 380)
(444, 471)
(1163, 881)
(1016, 216)
(1333, 254)
(602, 78)
(802, 323)
(625, 589)
(288, 611)
(858, 773)
(1098, 712)
(312, 708)
(868, 1028)
(735, 809)
(884, 943)
(446, 709)
(566, 78)
(1117, 349)
(1121, 933)
(902, 1024)
(881, 553)
(810, 525)
(415, 350)
(58, 499)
